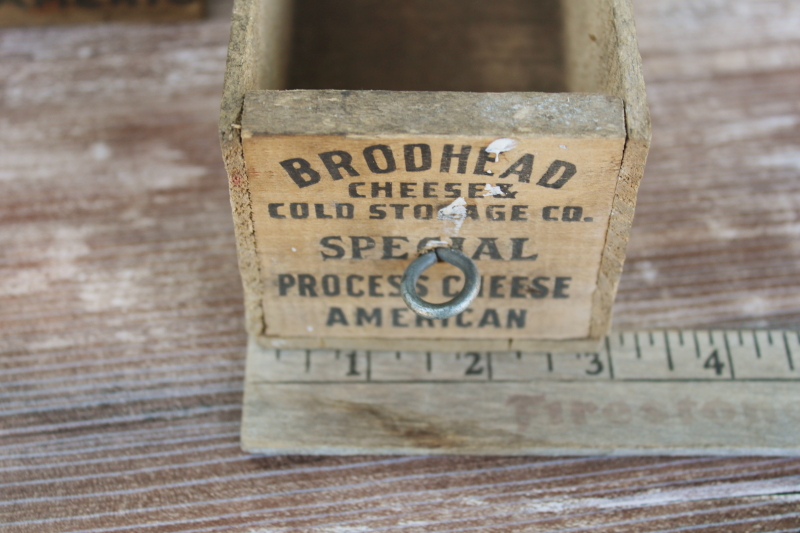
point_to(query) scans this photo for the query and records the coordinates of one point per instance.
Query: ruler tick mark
(610, 364)
(638, 348)
(428, 361)
(680, 337)
(711, 337)
(397, 355)
(728, 351)
(769, 337)
(696, 345)
(741, 341)
(489, 365)
(758, 348)
(788, 352)
(669, 352)
(277, 355)
(369, 365)
(549, 362)
(308, 361)
(650, 335)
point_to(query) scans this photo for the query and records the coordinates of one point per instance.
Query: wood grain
(121, 308)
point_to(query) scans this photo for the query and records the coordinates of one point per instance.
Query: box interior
(427, 45)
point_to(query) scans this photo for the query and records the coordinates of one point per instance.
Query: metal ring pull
(472, 284)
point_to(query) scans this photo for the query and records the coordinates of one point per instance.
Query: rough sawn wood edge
(256, 60)
(603, 56)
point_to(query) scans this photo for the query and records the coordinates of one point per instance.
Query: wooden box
(338, 184)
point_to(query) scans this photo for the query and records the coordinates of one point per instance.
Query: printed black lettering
(353, 189)
(496, 287)
(517, 245)
(572, 213)
(377, 212)
(406, 189)
(539, 289)
(547, 212)
(429, 190)
(388, 157)
(374, 284)
(285, 282)
(457, 243)
(423, 211)
(518, 213)
(397, 315)
(419, 321)
(298, 210)
(319, 210)
(496, 212)
(522, 168)
(386, 188)
(460, 319)
(454, 190)
(518, 284)
(350, 283)
(505, 190)
(297, 169)
(516, 318)
(334, 167)
(409, 152)
(560, 288)
(398, 210)
(480, 164)
(472, 212)
(326, 242)
(489, 318)
(336, 316)
(553, 171)
(273, 211)
(422, 290)
(363, 317)
(344, 211)
(394, 281)
(475, 190)
(446, 291)
(389, 247)
(487, 246)
(448, 155)
(369, 244)
(307, 285)
(330, 285)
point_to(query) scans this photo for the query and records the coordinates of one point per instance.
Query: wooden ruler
(642, 392)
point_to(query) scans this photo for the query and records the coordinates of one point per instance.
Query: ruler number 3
(597, 364)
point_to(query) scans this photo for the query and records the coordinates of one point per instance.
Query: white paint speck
(294, 249)
(100, 151)
(498, 146)
(309, 328)
(492, 190)
(454, 215)
(562, 146)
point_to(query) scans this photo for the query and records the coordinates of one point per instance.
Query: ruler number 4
(713, 363)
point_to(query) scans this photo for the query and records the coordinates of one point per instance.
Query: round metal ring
(472, 284)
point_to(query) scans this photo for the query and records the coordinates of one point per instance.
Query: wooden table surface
(121, 321)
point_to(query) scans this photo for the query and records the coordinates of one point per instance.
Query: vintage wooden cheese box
(337, 190)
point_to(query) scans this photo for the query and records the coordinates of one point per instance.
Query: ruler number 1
(713, 363)
(353, 369)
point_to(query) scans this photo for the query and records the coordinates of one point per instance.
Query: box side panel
(339, 215)
(256, 60)
(602, 56)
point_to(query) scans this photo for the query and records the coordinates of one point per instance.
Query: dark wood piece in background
(121, 323)
(40, 12)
